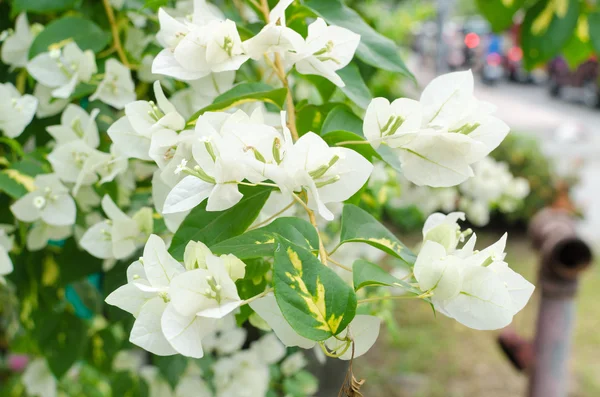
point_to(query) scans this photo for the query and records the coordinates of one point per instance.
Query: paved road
(568, 131)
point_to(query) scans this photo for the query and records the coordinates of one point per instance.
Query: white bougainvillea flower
(226, 337)
(364, 330)
(15, 49)
(16, 110)
(75, 124)
(130, 297)
(213, 176)
(437, 272)
(391, 123)
(120, 235)
(158, 327)
(185, 333)
(116, 88)
(444, 230)
(50, 202)
(267, 308)
(202, 92)
(41, 233)
(39, 380)
(132, 133)
(327, 49)
(114, 164)
(6, 245)
(47, 104)
(274, 39)
(73, 162)
(62, 69)
(476, 288)
(160, 190)
(329, 174)
(243, 372)
(456, 130)
(153, 295)
(193, 50)
(440, 159)
(209, 292)
(269, 348)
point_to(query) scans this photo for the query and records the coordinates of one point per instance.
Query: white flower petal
(147, 332)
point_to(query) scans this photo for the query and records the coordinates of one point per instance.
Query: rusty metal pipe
(563, 257)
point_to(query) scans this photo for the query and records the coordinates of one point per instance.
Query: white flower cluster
(177, 306)
(439, 137)
(476, 288)
(207, 43)
(226, 149)
(492, 187)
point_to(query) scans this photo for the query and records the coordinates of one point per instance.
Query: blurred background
(550, 97)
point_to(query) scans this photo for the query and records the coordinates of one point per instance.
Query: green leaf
(311, 117)
(43, 6)
(374, 49)
(365, 274)
(18, 180)
(388, 155)
(499, 13)
(84, 32)
(245, 93)
(594, 26)
(261, 242)
(69, 263)
(356, 89)
(334, 137)
(314, 300)
(171, 367)
(254, 282)
(342, 118)
(546, 29)
(62, 338)
(360, 226)
(579, 48)
(212, 227)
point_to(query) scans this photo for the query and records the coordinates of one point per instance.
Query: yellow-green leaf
(314, 300)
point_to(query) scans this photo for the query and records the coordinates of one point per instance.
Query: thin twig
(115, 33)
(338, 264)
(313, 221)
(392, 297)
(269, 219)
(265, 292)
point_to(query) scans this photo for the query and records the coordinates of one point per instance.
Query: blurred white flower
(16, 110)
(327, 49)
(15, 49)
(50, 202)
(116, 88)
(63, 68)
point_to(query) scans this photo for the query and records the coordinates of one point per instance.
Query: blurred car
(581, 83)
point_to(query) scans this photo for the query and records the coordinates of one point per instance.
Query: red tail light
(515, 54)
(472, 40)
(494, 59)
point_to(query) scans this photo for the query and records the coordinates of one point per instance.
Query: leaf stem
(353, 143)
(264, 293)
(269, 219)
(115, 33)
(338, 264)
(394, 297)
(313, 221)
(333, 354)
